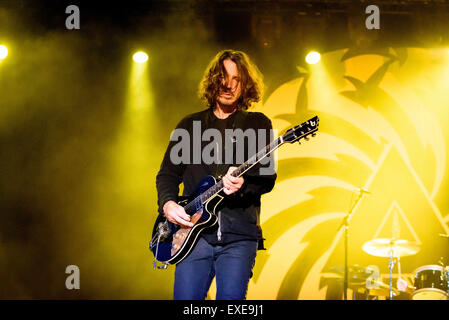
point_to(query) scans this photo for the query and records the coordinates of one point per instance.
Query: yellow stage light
(140, 57)
(3, 52)
(313, 57)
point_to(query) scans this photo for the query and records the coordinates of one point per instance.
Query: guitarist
(227, 250)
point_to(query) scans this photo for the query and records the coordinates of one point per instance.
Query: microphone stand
(345, 224)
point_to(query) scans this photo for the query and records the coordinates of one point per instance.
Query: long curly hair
(251, 79)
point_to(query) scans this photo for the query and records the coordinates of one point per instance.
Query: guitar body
(178, 241)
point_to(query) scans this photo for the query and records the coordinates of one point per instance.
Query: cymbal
(382, 247)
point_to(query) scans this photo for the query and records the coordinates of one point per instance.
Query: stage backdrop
(381, 117)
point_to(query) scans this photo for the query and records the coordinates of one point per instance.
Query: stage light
(3, 52)
(140, 57)
(313, 57)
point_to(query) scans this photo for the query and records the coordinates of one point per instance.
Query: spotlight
(313, 57)
(140, 57)
(3, 52)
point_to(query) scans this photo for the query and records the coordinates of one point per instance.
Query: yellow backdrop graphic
(379, 129)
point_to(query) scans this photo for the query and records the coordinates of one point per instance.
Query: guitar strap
(238, 122)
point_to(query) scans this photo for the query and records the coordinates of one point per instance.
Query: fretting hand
(231, 184)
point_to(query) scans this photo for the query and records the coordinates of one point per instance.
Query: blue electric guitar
(171, 243)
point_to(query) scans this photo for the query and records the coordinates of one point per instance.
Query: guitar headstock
(302, 131)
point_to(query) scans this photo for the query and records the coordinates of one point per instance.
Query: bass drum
(431, 283)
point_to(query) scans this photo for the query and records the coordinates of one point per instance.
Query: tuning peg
(314, 134)
(307, 138)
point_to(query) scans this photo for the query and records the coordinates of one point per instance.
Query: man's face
(231, 85)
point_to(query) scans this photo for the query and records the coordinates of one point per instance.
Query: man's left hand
(232, 184)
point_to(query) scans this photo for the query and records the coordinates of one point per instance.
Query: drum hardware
(391, 248)
(362, 283)
(356, 273)
(441, 262)
(444, 275)
(357, 278)
(391, 266)
(380, 289)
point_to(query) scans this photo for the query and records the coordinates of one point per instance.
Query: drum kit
(431, 282)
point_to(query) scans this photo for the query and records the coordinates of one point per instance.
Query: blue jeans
(232, 265)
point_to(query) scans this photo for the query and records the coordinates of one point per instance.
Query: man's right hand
(176, 214)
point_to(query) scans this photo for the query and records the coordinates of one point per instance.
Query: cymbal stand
(391, 266)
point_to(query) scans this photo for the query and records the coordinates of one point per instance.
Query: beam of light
(126, 204)
(313, 57)
(133, 149)
(132, 172)
(140, 57)
(3, 52)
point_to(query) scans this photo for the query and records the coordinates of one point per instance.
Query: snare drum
(431, 283)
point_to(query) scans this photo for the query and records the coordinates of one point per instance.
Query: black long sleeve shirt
(238, 213)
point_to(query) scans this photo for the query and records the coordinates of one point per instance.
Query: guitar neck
(196, 204)
(292, 135)
(257, 158)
